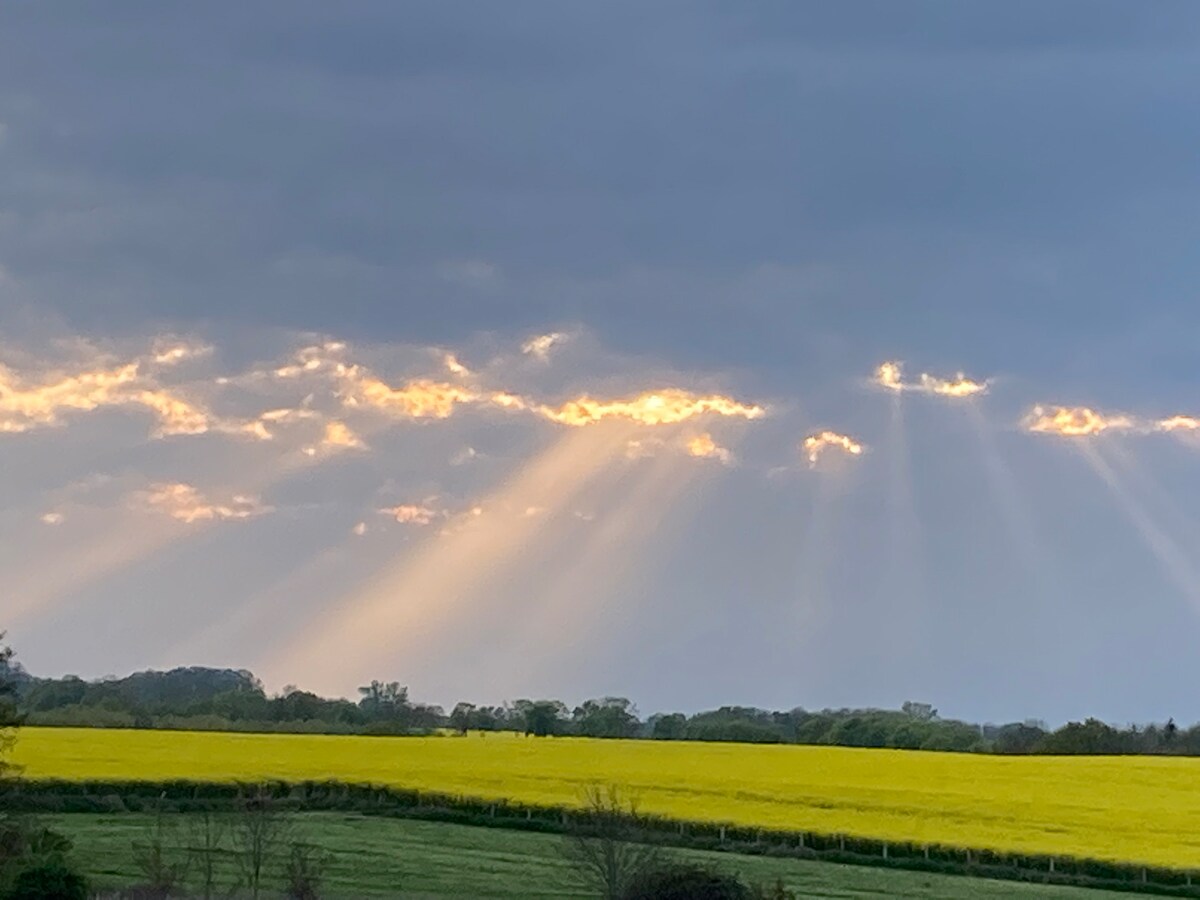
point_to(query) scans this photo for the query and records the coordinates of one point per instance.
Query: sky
(535, 349)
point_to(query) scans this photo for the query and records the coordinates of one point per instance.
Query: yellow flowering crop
(1131, 809)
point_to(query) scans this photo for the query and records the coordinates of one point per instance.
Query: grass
(1124, 809)
(377, 857)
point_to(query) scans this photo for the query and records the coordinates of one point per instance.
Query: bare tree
(157, 858)
(304, 871)
(602, 843)
(260, 829)
(206, 844)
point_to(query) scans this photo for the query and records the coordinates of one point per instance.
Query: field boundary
(101, 796)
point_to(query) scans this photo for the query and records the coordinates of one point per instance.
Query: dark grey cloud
(949, 165)
(786, 192)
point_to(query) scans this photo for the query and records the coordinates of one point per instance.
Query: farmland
(375, 857)
(1130, 809)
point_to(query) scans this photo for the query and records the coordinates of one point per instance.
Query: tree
(670, 727)
(304, 871)
(1017, 737)
(1091, 737)
(462, 716)
(610, 717)
(383, 700)
(9, 717)
(157, 859)
(206, 844)
(923, 712)
(544, 718)
(602, 844)
(258, 832)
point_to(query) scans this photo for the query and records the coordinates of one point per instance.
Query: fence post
(722, 834)
(1143, 876)
(842, 842)
(1052, 864)
(885, 856)
(801, 843)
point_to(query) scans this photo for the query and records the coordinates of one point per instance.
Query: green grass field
(377, 857)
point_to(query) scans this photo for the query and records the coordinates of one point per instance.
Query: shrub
(51, 877)
(776, 891)
(686, 882)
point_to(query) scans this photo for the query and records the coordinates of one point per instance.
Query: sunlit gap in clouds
(398, 613)
(1175, 562)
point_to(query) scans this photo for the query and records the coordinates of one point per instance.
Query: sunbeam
(277, 611)
(1175, 562)
(816, 543)
(125, 540)
(905, 572)
(403, 606)
(44, 582)
(1181, 524)
(1010, 499)
(624, 538)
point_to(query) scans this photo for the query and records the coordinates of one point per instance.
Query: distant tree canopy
(611, 717)
(228, 699)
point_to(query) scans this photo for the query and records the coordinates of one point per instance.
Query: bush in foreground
(50, 877)
(686, 882)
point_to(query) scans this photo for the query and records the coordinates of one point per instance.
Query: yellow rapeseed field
(1133, 809)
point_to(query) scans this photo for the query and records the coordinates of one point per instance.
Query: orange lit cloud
(703, 446)
(454, 367)
(961, 386)
(413, 513)
(338, 435)
(25, 406)
(1075, 421)
(816, 444)
(1178, 423)
(52, 518)
(186, 504)
(539, 346)
(309, 360)
(358, 388)
(417, 399)
(666, 407)
(168, 353)
(890, 375)
(31, 402)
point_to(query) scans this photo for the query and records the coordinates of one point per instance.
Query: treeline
(234, 700)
